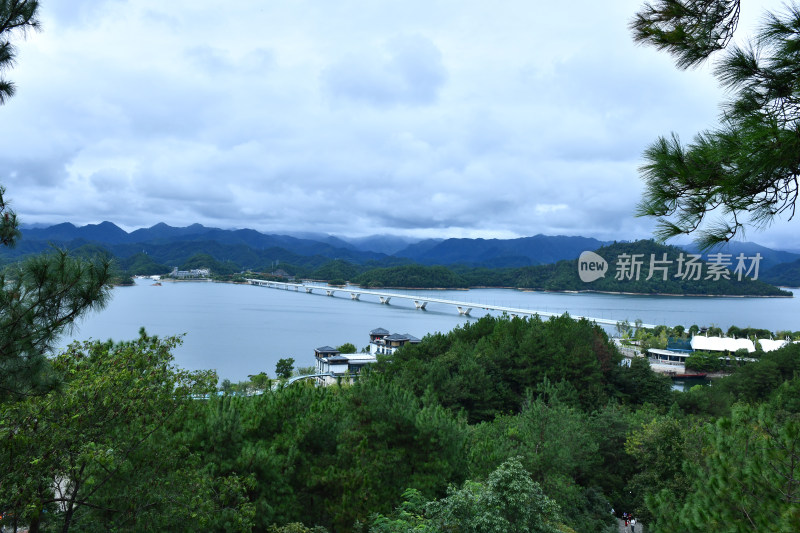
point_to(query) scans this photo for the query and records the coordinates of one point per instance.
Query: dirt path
(627, 529)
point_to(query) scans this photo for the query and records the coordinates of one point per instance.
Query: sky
(425, 119)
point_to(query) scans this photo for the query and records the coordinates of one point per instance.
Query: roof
(659, 351)
(769, 345)
(721, 344)
(397, 337)
(379, 331)
(326, 349)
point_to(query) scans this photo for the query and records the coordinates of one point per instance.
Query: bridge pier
(329, 292)
(464, 308)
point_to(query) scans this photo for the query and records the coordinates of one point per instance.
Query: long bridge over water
(421, 302)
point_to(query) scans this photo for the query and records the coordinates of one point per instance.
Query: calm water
(241, 329)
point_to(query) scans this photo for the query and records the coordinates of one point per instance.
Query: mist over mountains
(251, 249)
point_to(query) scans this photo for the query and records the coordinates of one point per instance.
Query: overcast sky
(434, 118)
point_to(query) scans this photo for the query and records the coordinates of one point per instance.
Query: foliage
(690, 30)
(16, 17)
(704, 362)
(347, 347)
(411, 276)
(746, 478)
(338, 269)
(99, 453)
(486, 366)
(638, 384)
(202, 260)
(39, 299)
(784, 274)
(746, 169)
(659, 449)
(555, 443)
(329, 456)
(755, 381)
(284, 367)
(260, 381)
(142, 264)
(508, 501)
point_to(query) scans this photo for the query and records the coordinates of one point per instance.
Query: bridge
(421, 302)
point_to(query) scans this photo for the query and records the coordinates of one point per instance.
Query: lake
(241, 329)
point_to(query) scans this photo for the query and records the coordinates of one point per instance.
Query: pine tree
(744, 172)
(16, 16)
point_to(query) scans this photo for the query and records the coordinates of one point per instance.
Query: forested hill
(492, 253)
(785, 274)
(496, 253)
(628, 269)
(461, 262)
(645, 267)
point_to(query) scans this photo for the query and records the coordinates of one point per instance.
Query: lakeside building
(677, 352)
(190, 274)
(336, 365)
(382, 342)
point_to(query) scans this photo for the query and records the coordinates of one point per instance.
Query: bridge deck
(463, 307)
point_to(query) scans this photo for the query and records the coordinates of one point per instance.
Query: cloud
(425, 118)
(408, 70)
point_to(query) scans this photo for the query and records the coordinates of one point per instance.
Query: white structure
(714, 344)
(729, 344)
(382, 342)
(769, 345)
(721, 344)
(194, 273)
(337, 365)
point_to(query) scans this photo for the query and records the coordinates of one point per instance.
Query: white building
(339, 365)
(382, 342)
(187, 274)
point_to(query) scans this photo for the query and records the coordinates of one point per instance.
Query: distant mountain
(168, 245)
(162, 231)
(628, 271)
(769, 257)
(126, 244)
(387, 244)
(418, 248)
(105, 232)
(785, 274)
(525, 251)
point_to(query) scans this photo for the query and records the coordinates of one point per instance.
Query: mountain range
(252, 249)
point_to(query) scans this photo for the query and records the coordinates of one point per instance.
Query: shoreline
(521, 289)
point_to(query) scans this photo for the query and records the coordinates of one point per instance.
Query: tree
(101, 453)
(16, 17)
(508, 501)
(745, 476)
(745, 171)
(347, 347)
(284, 368)
(259, 381)
(39, 299)
(45, 295)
